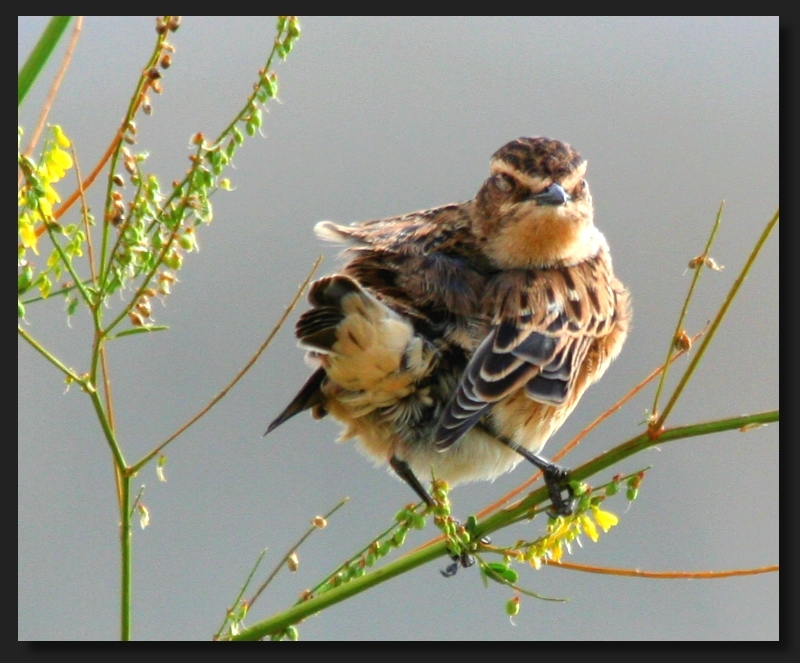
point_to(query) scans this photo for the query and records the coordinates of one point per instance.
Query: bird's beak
(552, 195)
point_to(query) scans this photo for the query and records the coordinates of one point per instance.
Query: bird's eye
(504, 182)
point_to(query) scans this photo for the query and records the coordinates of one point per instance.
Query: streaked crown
(539, 157)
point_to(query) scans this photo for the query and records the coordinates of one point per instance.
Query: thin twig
(353, 558)
(90, 257)
(36, 346)
(672, 575)
(293, 549)
(81, 189)
(242, 590)
(656, 427)
(698, 268)
(137, 466)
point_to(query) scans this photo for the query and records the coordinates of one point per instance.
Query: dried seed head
(143, 306)
(683, 341)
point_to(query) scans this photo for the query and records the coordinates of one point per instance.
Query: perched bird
(458, 339)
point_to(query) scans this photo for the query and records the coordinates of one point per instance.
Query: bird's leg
(554, 476)
(402, 470)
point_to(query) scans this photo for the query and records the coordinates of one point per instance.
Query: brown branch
(673, 575)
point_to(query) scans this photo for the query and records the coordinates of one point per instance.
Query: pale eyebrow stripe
(536, 183)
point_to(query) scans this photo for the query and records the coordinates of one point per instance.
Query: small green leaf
(139, 330)
(502, 571)
(44, 286)
(24, 279)
(399, 537)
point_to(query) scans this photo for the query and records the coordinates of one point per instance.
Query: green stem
(126, 557)
(54, 293)
(40, 55)
(36, 346)
(519, 511)
(111, 438)
(239, 596)
(67, 260)
(297, 613)
(381, 537)
(717, 320)
(682, 316)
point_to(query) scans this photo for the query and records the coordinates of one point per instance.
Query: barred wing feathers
(544, 324)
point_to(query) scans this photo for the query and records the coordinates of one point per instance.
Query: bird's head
(535, 210)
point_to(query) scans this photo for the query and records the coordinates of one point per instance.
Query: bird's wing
(424, 265)
(543, 325)
(415, 233)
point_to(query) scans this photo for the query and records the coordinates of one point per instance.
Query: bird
(455, 341)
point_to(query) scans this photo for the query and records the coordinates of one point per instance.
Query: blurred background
(377, 117)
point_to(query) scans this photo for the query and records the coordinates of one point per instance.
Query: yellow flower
(57, 162)
(51, 194)
(45, 207)
(605, 519)
(27, 233)
(60, 136)
(561, 529)
(589, 528)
